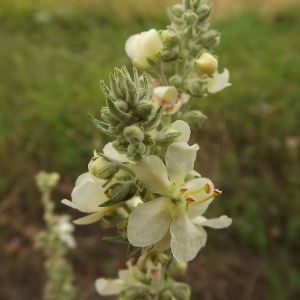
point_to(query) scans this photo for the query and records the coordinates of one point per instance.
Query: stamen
(206, 188)
(189, 200)
(183, 190)
(215, 193)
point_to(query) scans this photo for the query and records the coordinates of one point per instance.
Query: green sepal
(103, 127)
(115, 239)
(167, 137)
(131, 250)
(154, 120)
(112, 201)
(116, 112)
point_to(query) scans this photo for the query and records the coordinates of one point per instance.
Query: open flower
(218, 81)
(143, 47)
(127, 277)
(169, 98)
(176, 215)
(87, 195)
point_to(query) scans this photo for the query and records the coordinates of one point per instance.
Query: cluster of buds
(129, 115)
(145, 280)
(182, 55)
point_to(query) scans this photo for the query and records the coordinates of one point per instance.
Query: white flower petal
(186, 238)
(113, 154)
(140, 47)
(217, 223)
(148, 223)
(199, 189)
(107, 287)
(180, 159)
(165, 93)
(88, 194)
(184, 129)
(164, 243)
(152, 171)
(92, 218)
(218, 81)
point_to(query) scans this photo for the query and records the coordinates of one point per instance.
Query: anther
(207, 188)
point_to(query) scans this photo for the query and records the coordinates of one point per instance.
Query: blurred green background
(52, 56)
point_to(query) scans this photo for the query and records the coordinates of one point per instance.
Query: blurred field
(52, 57)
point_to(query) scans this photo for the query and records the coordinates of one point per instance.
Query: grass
(52, 61)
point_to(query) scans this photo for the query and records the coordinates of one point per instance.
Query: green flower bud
(136, 292)
(195, 118)
(176, 81)
(210, 38)
(180, 291)
(167, 54)
(122, 105)
(190, 18)
(120, 145)
(136, 151)
(120, 191)
(144, 108)
(169, 38)
(102, 168)
(203, 12)
(195, 87)
(133, 134)
(177, 10)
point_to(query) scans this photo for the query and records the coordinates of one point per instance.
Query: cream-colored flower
(218, 81)
(169, 98)
(127, 277)
(144, 46)
(207, 63)
(86, 196)
(176, 215)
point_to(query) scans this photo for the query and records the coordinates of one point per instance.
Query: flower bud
(194, 86)
(169, 38)
(102, 168)
(136, 151)
(207, 63)
(143, 47)
(176, 80)
(177, 10)
(190, 18)
(168, 54)
(122, 105)
(121, 191)
(133, 134)
(203, 12)
(180, 291)
(195, 118)
(136, 292)
(211, 39)
(144, 108)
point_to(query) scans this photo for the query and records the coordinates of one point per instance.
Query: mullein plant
(55, 241)
(143, 182)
